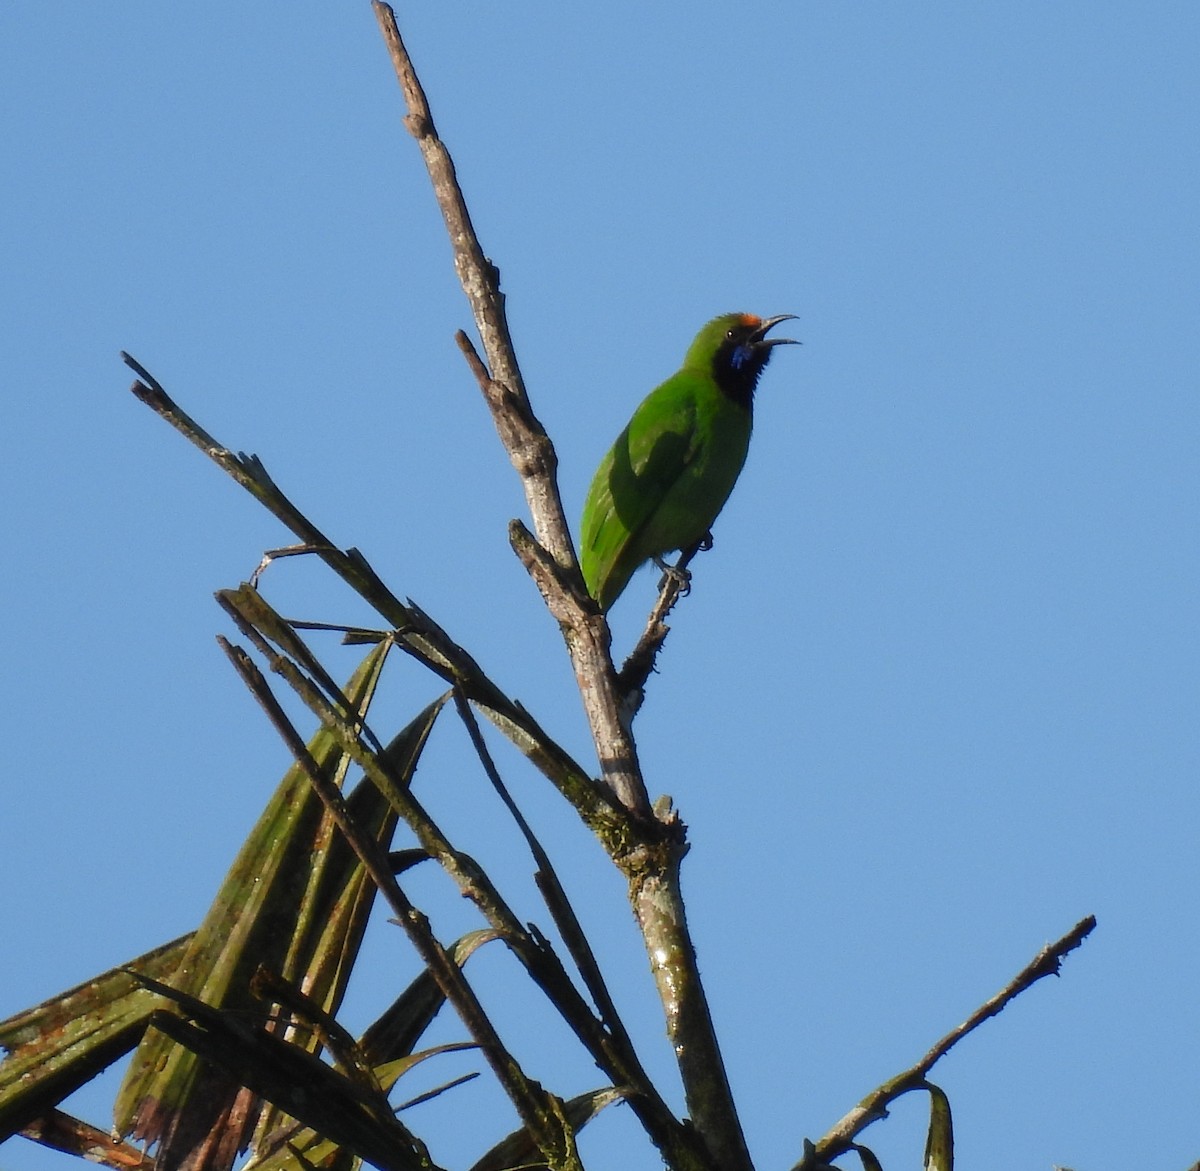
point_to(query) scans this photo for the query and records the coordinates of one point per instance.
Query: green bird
(671, 470)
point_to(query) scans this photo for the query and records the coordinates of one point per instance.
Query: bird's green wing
(647, 460)
(672, 469)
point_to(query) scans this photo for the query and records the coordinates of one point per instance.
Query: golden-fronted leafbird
(671, 470)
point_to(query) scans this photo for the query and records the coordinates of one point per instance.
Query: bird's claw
(674, 573)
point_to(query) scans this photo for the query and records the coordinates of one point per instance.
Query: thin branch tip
(874, 1106)
(140, 370)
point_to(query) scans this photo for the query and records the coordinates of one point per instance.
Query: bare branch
(1047, 962)
(528, 446)
(640, 663)
(524, 437)
(875, 1105)
(648, 851)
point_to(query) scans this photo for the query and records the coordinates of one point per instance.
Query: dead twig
(875, 1105)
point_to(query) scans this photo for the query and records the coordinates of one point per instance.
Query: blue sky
(933, 698)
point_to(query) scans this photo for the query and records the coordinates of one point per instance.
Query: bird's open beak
(759, 336)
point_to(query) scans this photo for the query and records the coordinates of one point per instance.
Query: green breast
(665, 480)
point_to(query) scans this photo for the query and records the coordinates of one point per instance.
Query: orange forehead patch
(750, 321)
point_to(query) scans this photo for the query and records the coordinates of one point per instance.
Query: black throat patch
(738, 364)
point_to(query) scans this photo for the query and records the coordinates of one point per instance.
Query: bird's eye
(729, 335)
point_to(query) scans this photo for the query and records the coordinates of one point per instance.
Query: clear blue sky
(933, 698)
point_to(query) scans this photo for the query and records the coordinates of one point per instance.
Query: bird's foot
(705, 543)
(674, 573)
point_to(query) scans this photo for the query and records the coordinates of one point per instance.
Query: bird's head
(735, 349)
